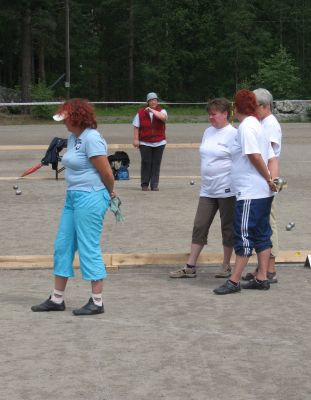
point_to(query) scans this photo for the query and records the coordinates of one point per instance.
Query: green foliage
(245, 84)
(42, 93)
(130, 110)
(186, 50)
(280, 75)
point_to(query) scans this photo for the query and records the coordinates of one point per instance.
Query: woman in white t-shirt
(273, 129)
(254, 193)
(216, 189)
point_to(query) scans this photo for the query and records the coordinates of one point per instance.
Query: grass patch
(125, 113)
(130, 110)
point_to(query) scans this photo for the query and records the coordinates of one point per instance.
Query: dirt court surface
(159, 338)
(156, 222)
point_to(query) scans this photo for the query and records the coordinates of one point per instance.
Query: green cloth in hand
(115, 204)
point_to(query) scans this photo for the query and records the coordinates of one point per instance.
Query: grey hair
(264, 97)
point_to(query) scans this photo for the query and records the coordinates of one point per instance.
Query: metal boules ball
(280, 183)
(191, 182)
(15, 187)
(290, 226)
(18, 192)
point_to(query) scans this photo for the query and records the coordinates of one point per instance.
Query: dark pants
(207, 209)
(251, 226)
(151, 158)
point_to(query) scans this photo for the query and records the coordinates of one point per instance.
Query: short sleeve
(249, 141)
(164, 112)
(275, 139)
(95, 145)
(136, 121)
(271, 152)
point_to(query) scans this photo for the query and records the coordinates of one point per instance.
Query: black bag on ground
(119, 162)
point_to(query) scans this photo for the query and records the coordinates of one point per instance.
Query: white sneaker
(223, 272)
(184, 273)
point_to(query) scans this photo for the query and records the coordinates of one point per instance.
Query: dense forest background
(186, 50)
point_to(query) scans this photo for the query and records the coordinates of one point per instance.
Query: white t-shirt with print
(136, 123)
(216, 162)
(271, 125)
(248, 182)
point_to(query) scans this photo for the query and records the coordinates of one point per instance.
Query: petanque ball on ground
(15, 187)
(289, 227)
(18, 192)
(191, 182)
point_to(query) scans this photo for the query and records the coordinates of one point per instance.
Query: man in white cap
(150, 138)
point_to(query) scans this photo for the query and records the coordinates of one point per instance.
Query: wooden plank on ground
(113, 261)
(52, 178)
(205, 258)
(112, 146)
(24, 147)
(30, 261)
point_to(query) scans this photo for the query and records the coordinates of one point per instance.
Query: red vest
(150, 131)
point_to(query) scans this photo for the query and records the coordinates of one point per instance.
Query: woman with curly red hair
(254, 194)
(89, 187)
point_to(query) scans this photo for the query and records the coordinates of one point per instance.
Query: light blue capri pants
(80, 230)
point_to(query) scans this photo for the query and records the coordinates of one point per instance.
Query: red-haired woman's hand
(272, 185)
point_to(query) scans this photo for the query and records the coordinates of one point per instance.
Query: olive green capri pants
(206, 211)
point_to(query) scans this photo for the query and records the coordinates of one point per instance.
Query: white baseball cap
(59, 117)
(151, 96)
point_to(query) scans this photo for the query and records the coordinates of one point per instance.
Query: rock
(292, 109)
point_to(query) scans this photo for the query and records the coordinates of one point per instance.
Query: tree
(280, 75)
(26, 58)
(187, 50)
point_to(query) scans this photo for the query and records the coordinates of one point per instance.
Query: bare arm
(261, 167)
(273, 166)
(136, 137)
(102, 165)
(158, 114)
(273, 163)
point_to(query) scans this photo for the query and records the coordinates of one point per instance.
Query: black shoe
(272, 277)
(48, 305)
(248, 277)
(89, 309)
(254, 284)
(228, 288)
